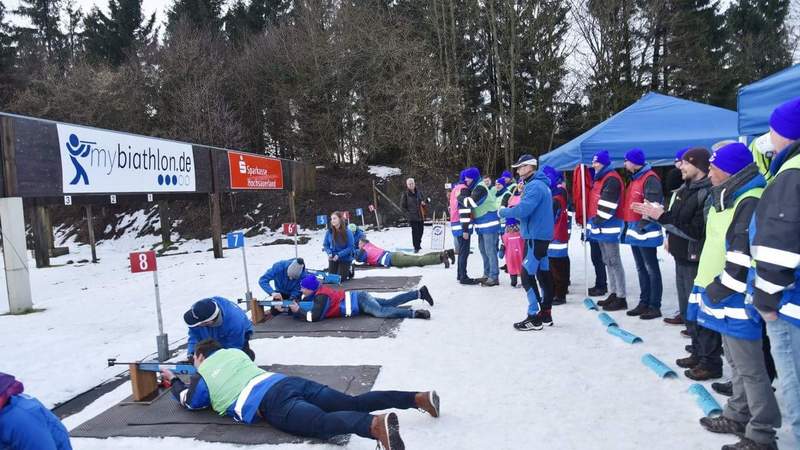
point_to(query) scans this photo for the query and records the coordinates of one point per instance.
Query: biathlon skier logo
(78, 149)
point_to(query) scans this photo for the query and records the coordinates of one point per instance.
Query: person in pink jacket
(513, 245)
(371, 254)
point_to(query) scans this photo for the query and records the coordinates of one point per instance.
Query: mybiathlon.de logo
(170, 170)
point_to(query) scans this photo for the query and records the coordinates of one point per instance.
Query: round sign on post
(146, 262)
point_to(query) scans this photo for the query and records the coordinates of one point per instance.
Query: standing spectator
(339, 246)
(643, 235)
(600, 287)
(535, 214)
(479, 205)
(25, 424)
(776, 250)
(461, 235)
(605, 225)
(558, 251)
(674, 178)
(752, 411)
(415, 205)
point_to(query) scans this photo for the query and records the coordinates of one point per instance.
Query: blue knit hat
(202, 311)
(732, 158)
(553, 175)
(602, 157)
(472, 173)
(505, 179)
(785, 120)
(681, 152)
(636, 156)
(310, 282)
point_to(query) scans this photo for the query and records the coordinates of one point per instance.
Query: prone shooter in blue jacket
(219, 319)
(25, 424)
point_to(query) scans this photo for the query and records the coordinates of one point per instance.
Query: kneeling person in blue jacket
(231, 384)
(219, 319)
(25, 424)
(286, 276)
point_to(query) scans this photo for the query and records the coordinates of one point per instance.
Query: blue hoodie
(25, 424)
(277, 274)
(345, 251)
(535, 209)
(234, 331)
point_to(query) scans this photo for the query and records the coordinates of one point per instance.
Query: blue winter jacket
(234, 331)
(25, 424)
(277, 274)
(345, 251)
(357, 236)
(535, 209)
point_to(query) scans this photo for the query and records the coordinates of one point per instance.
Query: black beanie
(698, 157)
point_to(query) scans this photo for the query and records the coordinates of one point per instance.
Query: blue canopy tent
(658, 124)
(756, 101)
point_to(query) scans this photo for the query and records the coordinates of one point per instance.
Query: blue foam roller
(630, 338)
(705, 400)
(657, 366)
(607, 320)
(589, 304)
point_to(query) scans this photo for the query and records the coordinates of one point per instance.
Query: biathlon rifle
(155, 366)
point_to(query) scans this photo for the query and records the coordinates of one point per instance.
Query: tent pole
(585, 231)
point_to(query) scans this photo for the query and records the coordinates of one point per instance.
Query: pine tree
(7, 58)
(44, 36)
(111, 38)
(243, 19)
(204, 14)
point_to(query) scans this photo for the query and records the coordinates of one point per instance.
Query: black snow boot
(618, 304)
(607, 301)
(748, 444)
(725, 389)
(638, 310)
(597, 291)
(452, 255)
(425, 295)
(422, 314)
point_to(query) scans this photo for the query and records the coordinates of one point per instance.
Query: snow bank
(384, 172)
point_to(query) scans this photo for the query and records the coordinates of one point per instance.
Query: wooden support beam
(216, 223)
(256, 312)
(90, 225)
(41, 244)
(165, 221)
(144, 384)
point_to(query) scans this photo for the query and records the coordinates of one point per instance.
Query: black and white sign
(438, 231)
(99, 161)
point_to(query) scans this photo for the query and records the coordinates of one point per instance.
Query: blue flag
(235, 240)
(322, 219)
(359, 212)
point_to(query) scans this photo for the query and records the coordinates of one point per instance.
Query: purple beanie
(602, 157)
(636, 156)
(553, 175)
(310, 282)
(785, 120)
(681, 152)
(8, 388)
(473, 173)
(732, 158)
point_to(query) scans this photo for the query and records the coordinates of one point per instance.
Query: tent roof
(658, 124)
(757, 100)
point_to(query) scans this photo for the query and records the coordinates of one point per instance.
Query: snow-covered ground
(572, 386)
(384, 172)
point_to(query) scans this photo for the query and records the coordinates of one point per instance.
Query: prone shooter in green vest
(232, 385)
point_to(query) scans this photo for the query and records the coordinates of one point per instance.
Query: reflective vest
(559, 245)
(455, 224)
(735, 315)
(340, 303)
(376, 256)
(610, 229)
(485, 215)
(638, 232)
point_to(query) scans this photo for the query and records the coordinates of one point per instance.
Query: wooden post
(41, 245)
(163, 218)
(144, 384)
(216, 223)
(90, 225)
(293, 213)
(375, 205)
(256, 311)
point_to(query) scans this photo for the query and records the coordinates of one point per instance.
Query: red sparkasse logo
(254, 172)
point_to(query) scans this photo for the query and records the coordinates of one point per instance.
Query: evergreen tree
(7, 58)
(202, 14)
(44, 35)
(243, 19)
(111, 38)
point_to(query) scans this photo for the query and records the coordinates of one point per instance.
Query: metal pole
(585, 232)
(294, 221)
(363, 225)
(162, 341)
(247, 295)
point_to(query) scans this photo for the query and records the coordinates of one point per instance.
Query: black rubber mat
(364, 327)
(382, 283)
(164, 416)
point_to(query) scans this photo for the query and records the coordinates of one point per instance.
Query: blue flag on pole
(235, 240)
(322, 219)
(359, 212)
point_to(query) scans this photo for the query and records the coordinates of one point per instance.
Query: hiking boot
(504, 268)
(513, 281)
(749, 444)
(422, 314)
(489, 283)
(425, 295)
(386, 430)
(428, 402)
(481, 279)
(468, 281)
(597, 291)
(685, 333)
(559, 301)
(532, 323)
(689, 349)
(546, 318)
(677, 320)
(608, 300)
(725, 389)
(444, 259)
(618, 304)
(638, 311)
(700, 373)
(690, 362)
(723, 425)
(650, 314)
(451, 254)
